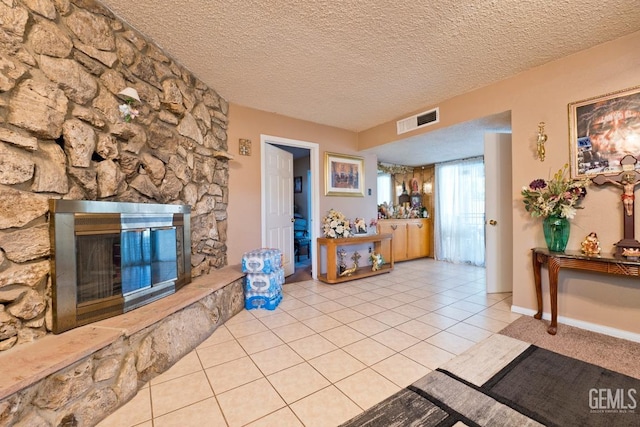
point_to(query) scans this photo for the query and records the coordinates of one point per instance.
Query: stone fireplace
(63, 137)
(112, 257)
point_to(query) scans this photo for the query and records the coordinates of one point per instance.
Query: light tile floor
(327, 353)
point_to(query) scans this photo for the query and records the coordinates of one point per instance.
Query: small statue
(349, 271)
(376, 260)
(591, 245)
(341, 266)
(414, 186)
(355, 258)
(631, 253)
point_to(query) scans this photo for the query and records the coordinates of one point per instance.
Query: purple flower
(538, 184)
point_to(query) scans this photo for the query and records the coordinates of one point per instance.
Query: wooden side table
(382, 243)
(604, 263)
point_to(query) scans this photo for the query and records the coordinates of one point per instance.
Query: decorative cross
(627, 181)
(355, 257)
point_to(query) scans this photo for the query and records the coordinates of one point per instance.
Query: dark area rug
(537, 387)
(616, 354)
(405, 408)
(558, 390)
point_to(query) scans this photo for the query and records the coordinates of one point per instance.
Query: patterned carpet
(503, 381)
(610, 352)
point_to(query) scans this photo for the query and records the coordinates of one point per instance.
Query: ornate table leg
(554, 268)
(537, 264)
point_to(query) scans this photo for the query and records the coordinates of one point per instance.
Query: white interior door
(314, 194)
(498, 213)
(279, 204)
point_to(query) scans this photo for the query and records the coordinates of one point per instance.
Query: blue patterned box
(264, 284)
(260, 301)
(265, 260)
(263, 290)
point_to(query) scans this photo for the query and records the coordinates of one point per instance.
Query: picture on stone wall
(602, 130)
(344, 175)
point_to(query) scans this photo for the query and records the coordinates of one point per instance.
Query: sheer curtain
(384, 188)
(459, 205)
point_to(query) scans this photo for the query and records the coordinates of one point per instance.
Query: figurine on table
(591, 245)
(349, 271)
(376, 260)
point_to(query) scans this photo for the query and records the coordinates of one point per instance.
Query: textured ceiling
(357, 64)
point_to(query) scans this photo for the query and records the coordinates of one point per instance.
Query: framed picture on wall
(297, 184)
(602, 130)
(344, 175)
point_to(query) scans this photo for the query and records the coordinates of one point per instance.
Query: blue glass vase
(556, 233)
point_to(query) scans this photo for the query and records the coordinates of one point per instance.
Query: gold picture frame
(602, 130)
(344, 175)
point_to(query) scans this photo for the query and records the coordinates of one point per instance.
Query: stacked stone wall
(63, 135)
(93, 387)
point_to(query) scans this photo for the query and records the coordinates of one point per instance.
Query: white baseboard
(606, 330)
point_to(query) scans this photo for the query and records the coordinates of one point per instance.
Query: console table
(603, 263)
(382, 243)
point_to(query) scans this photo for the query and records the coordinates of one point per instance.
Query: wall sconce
(542, 138)
(427, 188)
(245, 147)
(129, 95)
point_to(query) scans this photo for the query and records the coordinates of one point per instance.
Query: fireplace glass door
(112, 257)
(124, 263)
(164, 266)
(136, 260)
(98, 267)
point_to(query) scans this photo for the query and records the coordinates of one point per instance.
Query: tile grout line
(403, 285)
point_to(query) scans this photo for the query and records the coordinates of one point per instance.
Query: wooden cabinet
(411, 237)
(397, 229)
(382, 243)
(417, 238)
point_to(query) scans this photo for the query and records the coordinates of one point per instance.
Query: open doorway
(305, 202)
(462, 141)
(301, 212)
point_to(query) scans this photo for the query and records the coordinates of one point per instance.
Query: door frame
(314, 167)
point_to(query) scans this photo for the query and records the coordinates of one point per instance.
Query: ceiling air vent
(419, 120)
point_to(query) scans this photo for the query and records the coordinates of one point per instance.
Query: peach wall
(542, 94)
(244, 212)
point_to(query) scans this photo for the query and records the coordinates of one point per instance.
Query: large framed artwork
(602, 130)
(344, 175)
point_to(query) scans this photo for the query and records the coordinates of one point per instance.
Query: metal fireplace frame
(74, 217)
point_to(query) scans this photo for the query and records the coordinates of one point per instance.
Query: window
(384, 188)
(460, 211)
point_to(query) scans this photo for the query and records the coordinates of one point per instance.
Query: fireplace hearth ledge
(31, 363)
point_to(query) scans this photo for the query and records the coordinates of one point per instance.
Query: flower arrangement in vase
(556, 201)
(335, 225)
